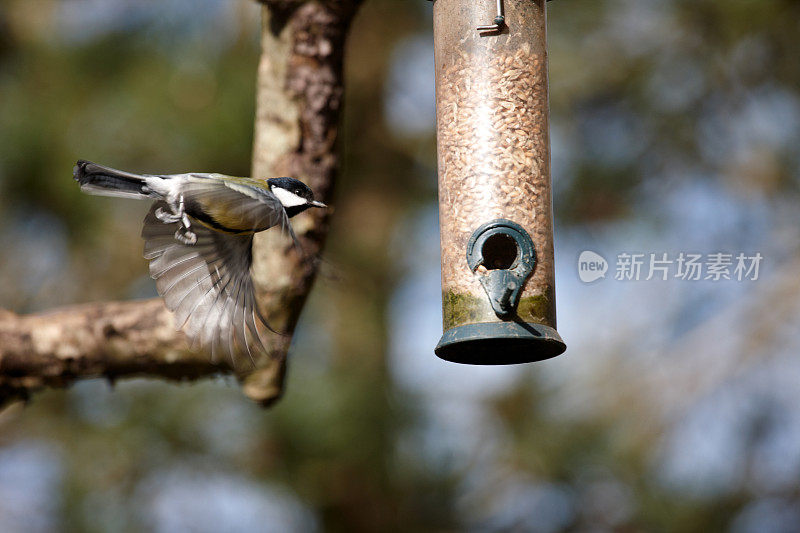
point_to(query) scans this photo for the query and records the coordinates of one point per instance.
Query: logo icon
(591, 266)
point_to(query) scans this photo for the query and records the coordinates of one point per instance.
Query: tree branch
(55, 348)
(299, 100)
(299, 97)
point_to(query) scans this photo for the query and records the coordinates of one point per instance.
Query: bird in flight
(198, 238)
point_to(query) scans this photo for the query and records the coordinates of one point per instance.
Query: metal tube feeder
(495, 207)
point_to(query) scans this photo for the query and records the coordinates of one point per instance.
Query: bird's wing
(237, 203)
(207, 286)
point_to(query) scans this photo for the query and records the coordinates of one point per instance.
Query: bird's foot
(186, 236)
(177, 213)
(166, 218)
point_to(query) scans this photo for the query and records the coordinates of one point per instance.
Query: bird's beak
(315, 203)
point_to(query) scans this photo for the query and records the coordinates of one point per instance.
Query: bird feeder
(495, 204)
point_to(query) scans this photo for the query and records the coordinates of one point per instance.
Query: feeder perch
(495, 207)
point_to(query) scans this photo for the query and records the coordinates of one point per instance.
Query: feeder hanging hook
(499, 21)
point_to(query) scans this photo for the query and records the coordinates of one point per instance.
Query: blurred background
(675, 128)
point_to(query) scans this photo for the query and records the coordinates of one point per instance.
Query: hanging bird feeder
(495, 204)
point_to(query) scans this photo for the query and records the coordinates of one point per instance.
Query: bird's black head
(294, 195)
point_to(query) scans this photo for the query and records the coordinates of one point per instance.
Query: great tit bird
(198, 238)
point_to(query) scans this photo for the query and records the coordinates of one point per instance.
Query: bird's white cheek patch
(288, 199)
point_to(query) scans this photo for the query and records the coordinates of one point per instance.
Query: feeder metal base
(500, 343)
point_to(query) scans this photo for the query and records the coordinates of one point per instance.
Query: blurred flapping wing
(207, 285)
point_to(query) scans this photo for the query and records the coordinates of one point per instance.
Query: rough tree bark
(299, 97)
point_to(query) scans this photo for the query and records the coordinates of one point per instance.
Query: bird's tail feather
(105, 181)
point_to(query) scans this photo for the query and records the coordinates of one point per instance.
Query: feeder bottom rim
(500, 343)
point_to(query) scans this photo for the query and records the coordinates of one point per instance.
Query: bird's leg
(184, 217)
(184, 234)
(178, 214)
